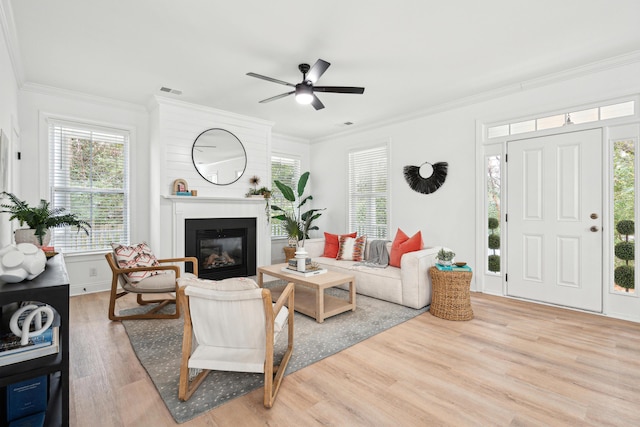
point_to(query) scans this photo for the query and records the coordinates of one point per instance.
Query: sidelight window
(624, 195)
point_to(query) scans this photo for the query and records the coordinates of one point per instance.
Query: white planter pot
(26, 235)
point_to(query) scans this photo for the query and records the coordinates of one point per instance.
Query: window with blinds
(287, 171)
(368, 192)
(88, 176)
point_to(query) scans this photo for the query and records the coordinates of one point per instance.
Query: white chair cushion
(152, 284)
(237, 343)
(232, 284)
(280, 322)
(228, 359)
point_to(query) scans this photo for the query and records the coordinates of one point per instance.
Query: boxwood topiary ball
(625, 227)
(624, 276)
(493, 223)
(494, 263)
(625, 250)
(494, 241)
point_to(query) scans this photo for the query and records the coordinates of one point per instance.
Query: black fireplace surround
(225, 247)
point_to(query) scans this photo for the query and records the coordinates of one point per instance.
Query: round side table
(450, 296)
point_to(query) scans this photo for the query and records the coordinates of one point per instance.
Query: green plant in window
(296, 223)
(494, 243)
(494, 263)
(624, 275)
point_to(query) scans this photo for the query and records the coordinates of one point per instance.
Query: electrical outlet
(93, 272)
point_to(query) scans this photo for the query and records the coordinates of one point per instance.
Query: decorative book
(34, 420)
(310, 272)
(39, 346)
(26, 397)
(293, 262)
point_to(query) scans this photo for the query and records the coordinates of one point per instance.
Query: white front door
(555, 219)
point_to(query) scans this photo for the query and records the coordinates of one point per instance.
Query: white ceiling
(410, 55)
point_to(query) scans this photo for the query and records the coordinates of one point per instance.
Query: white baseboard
(89, 288)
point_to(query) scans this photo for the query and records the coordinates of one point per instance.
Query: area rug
(158, 346)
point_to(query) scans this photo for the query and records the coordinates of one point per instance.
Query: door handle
(594, 229)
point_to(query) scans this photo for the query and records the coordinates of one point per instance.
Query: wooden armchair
(156, 284)
(230, 325)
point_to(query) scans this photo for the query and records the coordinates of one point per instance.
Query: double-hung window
(88, 176)
(287, 171)
(368, 192)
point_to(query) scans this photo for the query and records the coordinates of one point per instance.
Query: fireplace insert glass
(224, 247)
(219, 250)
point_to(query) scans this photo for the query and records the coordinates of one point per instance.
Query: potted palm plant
(296, 223)
(39, 219)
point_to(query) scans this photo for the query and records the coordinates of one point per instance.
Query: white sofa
(409, 285)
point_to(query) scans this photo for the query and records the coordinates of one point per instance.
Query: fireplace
(224, 247)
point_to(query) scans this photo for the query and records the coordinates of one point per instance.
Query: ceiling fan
(304, 91)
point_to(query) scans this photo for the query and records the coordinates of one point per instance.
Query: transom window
(603, 112)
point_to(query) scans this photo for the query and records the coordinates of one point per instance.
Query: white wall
(35, 103)
(9, 125)
(448, 216)
(178, 125)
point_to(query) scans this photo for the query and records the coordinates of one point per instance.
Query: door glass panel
(623, 216)
(493, 214)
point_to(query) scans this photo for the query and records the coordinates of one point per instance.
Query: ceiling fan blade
(270, 79)
(317, 104)
(317, 70)
(273, 98)
(339, 89)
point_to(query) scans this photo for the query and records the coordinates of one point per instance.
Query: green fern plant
(42, 217)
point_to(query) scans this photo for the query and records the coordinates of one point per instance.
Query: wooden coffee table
(310, 298)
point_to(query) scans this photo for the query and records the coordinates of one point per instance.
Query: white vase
(27, 235)
(301, 257)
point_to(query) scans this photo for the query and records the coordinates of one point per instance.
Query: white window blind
(287, 171)
(88, 176)
(368, 192)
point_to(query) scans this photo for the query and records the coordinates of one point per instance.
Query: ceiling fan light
(304, 94)
(304, 98)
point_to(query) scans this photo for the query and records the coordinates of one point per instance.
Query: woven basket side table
(451, 296)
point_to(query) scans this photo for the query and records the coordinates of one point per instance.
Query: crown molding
(575, 72)
(81, 96)
(161, 100)
(11, 41)
(290, 138)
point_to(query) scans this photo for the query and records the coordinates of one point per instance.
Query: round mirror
(219, 156)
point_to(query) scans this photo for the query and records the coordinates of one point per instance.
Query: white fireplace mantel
(176, 209)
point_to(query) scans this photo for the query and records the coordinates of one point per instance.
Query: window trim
(44, 185)
(288, 156)
(386, 144)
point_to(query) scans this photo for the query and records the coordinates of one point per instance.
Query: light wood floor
(515, 364)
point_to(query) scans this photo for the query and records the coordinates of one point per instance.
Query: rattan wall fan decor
(428, 184)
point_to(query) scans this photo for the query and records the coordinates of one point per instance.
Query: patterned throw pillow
(139, 255)
(351, 249)
(332, 244)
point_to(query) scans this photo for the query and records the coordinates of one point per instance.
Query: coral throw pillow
(139, 255)
(331, 244)
(403, 244)
(351, 249)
